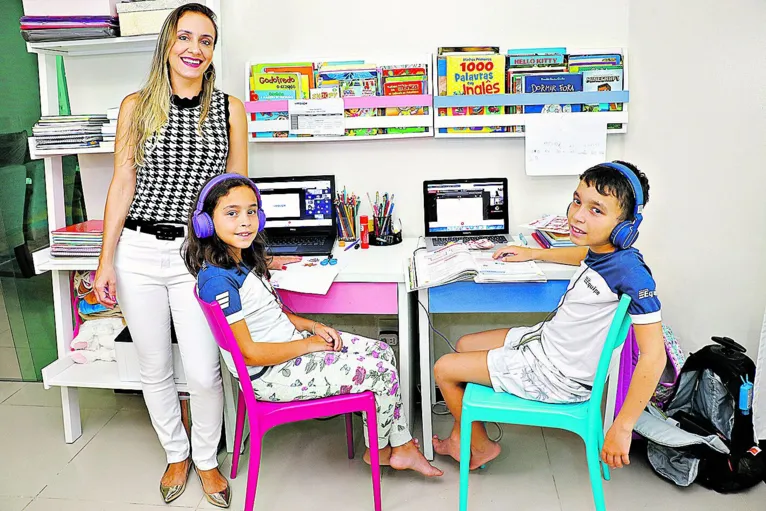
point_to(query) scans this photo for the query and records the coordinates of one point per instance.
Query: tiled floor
(117, 463)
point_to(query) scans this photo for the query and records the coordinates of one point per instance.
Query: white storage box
(128, 367)
(146, 17)
(70, 7)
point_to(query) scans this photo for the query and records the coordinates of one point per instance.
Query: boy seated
(555, 361)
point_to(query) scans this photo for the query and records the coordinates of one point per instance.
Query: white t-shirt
(574, 339)
(244, 295)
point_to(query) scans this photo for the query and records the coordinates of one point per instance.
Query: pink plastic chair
(264, 415)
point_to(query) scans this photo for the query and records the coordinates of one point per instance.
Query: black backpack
(706, 402)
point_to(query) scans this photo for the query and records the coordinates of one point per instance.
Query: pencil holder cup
(346, 232)
(386, 240)
(383, 233)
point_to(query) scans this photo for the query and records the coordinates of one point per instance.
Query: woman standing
(172, 135)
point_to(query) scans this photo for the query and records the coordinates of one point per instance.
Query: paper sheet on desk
(315, 280)
(491, 270)
(563, 144)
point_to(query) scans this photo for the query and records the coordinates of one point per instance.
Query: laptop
(299, 214)
(459, 210)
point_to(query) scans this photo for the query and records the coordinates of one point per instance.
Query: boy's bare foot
(384, 456)
(176, 473)
(451, 447)
(409, 457)
(487, 454)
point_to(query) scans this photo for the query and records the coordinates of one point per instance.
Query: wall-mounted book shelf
(396, 116)
(380, 121)
(513, 123)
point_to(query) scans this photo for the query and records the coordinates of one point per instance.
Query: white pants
(153, 284)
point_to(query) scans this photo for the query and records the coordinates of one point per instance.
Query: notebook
(456, 262)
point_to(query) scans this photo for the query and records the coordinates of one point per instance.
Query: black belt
(162, 231)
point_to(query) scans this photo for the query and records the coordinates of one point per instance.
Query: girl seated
(289, 357)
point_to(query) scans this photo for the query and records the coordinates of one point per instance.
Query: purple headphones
(201, 221)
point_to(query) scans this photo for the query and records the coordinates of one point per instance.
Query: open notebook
(456, 262)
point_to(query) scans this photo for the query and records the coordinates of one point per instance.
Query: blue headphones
(201, 221)
(626, 232)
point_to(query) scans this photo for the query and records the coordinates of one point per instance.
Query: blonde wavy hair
(153, 105)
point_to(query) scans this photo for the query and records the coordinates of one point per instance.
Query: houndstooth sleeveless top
(179, 160)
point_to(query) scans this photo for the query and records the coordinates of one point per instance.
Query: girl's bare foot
(409, 457)
(384, 456)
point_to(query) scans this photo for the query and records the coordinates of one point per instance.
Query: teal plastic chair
(482, 403)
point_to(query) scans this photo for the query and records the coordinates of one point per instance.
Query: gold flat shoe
(171, 493)
(218, 499)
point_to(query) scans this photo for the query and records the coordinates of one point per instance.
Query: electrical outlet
(389, 337)
(388, 330)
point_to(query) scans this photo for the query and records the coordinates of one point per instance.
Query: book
(595, 59)
(305, 69)
(401, 81)
(551, 223)
(456, 262)
(272, 95)
(88, 227)
(472, 74)
(358, 87)
(555, 240)
(457, 50)
(549, 83)
(595, 78)
(325, 92)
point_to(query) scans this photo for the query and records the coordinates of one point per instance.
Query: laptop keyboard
(305, 241)
(443, 240)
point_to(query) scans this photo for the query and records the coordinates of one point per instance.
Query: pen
(350, 245)
(523, 239)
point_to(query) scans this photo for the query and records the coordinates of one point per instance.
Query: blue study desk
(469, 297)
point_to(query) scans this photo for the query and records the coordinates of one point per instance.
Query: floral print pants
(362, 364)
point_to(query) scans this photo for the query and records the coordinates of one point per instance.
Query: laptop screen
(305, 201)
(466, 206)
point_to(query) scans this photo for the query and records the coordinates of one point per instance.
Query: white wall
(697, 126)
(306, 31)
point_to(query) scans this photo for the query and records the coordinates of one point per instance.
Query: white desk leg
(70, 404)
(611, 390)
(405, 351)
(426, 378)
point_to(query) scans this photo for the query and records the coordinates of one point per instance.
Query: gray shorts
(524, 370)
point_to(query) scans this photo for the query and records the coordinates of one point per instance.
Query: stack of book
(551, 231)
(37, 29)
(79, 240)
(69, 131)
(109, 130)
(548, 239)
